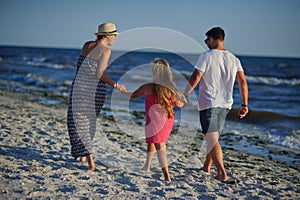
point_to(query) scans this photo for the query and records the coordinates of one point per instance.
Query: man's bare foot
(83, 159)
(91, 162)
(228, 180)
(205, 170)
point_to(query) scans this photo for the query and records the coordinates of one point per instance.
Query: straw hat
(107, 29)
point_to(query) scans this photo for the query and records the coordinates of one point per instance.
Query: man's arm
(193, 81)
(243, 87)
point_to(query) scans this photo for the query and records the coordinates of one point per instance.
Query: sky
(253, 28)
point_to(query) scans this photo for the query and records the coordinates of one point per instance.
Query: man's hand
(243, 111)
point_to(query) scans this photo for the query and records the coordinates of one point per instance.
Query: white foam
(272, 80)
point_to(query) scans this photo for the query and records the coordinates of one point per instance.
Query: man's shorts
(213, 119)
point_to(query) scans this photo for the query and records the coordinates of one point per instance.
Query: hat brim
(115, 33)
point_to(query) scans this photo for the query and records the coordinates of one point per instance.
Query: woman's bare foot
(146, 169)
(91, 162)
(207, 171)
(83, 159)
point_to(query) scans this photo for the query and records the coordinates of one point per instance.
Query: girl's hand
(122, 88)
(180, 104)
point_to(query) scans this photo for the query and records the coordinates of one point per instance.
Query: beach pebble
(110, 178)
(5, 192)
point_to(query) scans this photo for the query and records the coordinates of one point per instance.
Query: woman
(88, 92)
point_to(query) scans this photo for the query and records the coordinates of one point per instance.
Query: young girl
(161, 96)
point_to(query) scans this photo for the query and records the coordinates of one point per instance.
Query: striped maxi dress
(87, 96)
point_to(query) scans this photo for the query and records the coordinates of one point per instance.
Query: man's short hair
(216, 33)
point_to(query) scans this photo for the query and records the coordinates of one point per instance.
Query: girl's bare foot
(91, 162)
(166, 174)
(83, 159)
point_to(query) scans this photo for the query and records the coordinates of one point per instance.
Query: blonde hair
(165, 88)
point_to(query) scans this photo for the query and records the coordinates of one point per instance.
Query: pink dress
(158, 127)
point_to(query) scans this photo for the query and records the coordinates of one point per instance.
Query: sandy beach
(35, 163)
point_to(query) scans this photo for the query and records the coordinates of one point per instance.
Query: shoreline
(36, 162)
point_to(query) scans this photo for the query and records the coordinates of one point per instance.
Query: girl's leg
(162, 159)
(150, 153)
(91, 162)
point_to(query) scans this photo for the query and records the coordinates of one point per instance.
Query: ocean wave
(264, 115)
(36, 59)
(186, 73)
(42, 64)
(34, 79)
(260, 80)
(38, 62)
(289, 141)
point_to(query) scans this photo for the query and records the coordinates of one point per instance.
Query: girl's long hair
(165, 88)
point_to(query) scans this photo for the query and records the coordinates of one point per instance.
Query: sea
(274, 91)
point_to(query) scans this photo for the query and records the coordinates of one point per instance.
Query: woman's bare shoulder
(87, 47)
(95, 51)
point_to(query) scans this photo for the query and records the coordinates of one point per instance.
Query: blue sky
(256, 27)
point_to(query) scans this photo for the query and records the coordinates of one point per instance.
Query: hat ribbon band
(110, 32)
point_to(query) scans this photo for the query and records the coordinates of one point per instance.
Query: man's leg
(215, 154)
(208, 162)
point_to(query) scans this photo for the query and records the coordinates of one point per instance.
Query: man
(217, 69)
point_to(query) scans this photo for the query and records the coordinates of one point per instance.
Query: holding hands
(121, 87)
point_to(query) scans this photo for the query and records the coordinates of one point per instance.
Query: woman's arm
(101, 70)
(102, 65)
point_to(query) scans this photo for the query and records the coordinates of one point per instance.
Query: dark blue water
(274, 84)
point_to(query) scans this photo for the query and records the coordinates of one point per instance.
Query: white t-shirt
(219, 69)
